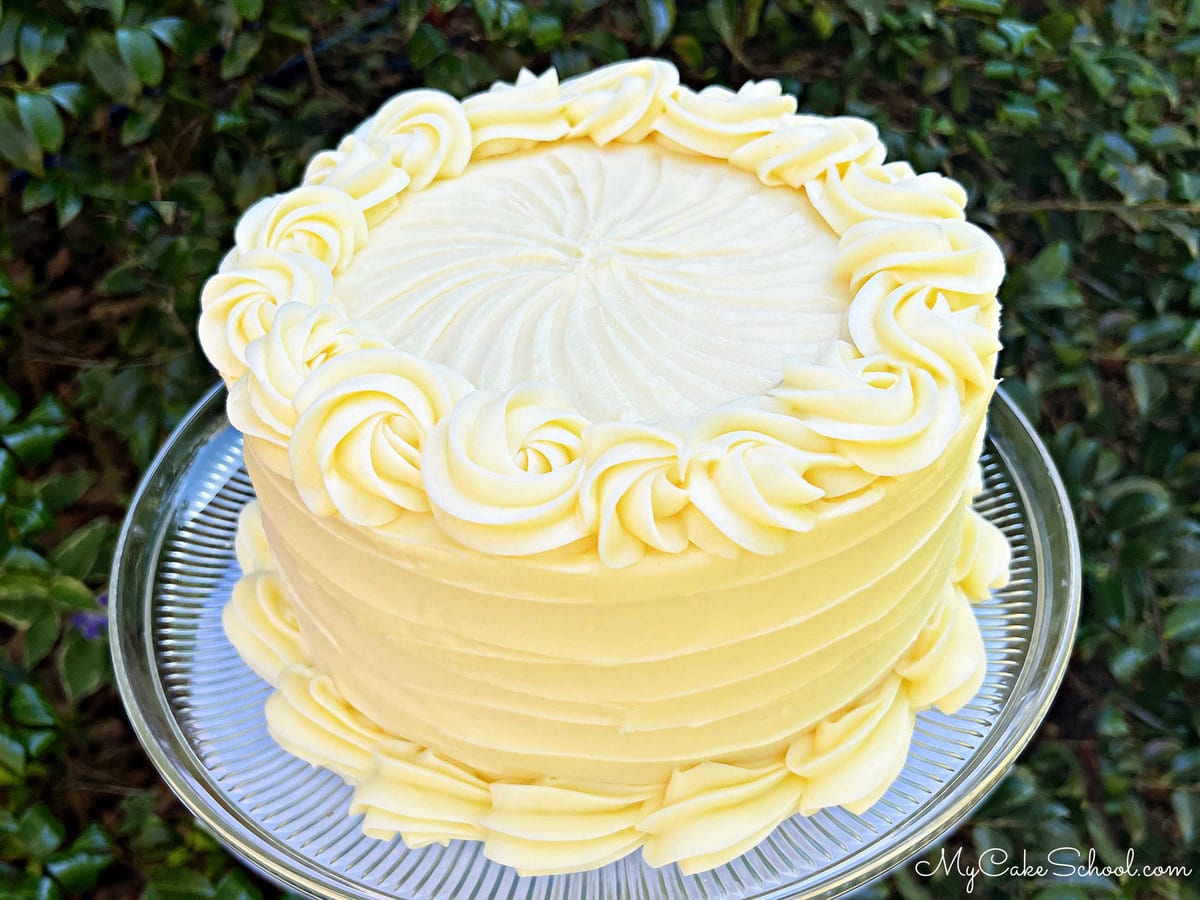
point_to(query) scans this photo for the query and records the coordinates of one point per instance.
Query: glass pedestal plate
(198, 709)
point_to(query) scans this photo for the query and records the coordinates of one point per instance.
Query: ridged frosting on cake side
(543, 808)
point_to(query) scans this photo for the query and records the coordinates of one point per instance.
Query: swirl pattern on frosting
(410, 790)
(891, 191)
(717, 122)
(239, 302)
(715, 812)
(363, 418)
(957, 258)
(262, 403)
(748, 474)
(887, 420)
(321, 221)
(913, 325)
(373, 180)
(633, 493)
(851, 759)
(555, 276)
(250, 547)
(620, 102)
(808, 146)
(308, 717)
(503, 470)
(424, 132)
(512, 117)
(946, 664)
(983, 559)
(261, 625)
(550, 826)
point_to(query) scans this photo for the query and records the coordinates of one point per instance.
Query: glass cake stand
(198, 710)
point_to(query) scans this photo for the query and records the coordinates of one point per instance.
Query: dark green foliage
(133, 134)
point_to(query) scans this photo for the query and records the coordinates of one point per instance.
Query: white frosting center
(645, 283)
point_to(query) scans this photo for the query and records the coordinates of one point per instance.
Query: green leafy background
(133, 134)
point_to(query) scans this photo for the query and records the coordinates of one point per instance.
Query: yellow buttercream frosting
(614, 446)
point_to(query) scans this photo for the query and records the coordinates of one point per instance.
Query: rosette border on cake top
(921, 323)
(377, 441)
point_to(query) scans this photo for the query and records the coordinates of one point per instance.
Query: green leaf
(178, 884)
(76, 554)
(67, 204)
(545, 30)
(1149, 386)
(78, 867)
(41, 637)
(426, 45)
(10, 28)
(166, 30)
(39, 46)
(140, 52)
(411, 13)
(659, 18)
(10, 404)
(448, 73)
(1186, 806)
(39, 832)
(29, 516)
(69, 95)
(1140, 184)
(29, 708)
(41, 119)
(116, 8)
(78, 871)
(139, 125)
(250, 10)
(1057, 27)
(71, 593)
(60, 491)
(25, 559)
(1133, 502)
(1182, 622)
(723, 16)
(16, 144)
(33, 442)
(83, 666)
(109, 68)
(1171, 137)
(12, 757)
(240, 54)
(8, 471)
(237, 886)
(1162, 333)
(38, 741)
(871, 11)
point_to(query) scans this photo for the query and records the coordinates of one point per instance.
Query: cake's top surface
(668, 266)
(645, 283)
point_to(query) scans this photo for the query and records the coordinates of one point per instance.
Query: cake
(614, 446)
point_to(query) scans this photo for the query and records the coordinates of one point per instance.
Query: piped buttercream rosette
(920, 329)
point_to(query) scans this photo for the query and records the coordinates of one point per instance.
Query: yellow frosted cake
(614, 447)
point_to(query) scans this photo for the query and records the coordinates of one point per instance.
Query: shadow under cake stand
(198, 709)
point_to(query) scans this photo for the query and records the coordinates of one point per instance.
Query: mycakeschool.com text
(1061, 862)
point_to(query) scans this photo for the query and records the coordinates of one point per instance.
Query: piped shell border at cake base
(702, 816)
(371, 434)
